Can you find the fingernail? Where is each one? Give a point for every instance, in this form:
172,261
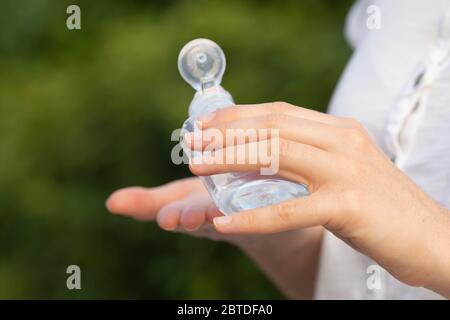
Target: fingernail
170,229
203,120
192,229
222,221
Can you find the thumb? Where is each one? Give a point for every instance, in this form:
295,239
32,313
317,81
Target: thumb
302,212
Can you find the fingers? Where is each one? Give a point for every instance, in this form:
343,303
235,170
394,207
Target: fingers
168,218
189,213
194,214
180,204
303,212
247,130
143,204
257,110
286,158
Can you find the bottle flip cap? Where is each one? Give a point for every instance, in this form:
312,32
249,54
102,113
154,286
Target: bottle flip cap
201,63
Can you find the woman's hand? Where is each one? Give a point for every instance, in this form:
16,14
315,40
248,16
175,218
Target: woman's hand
356,191
289,258
185,206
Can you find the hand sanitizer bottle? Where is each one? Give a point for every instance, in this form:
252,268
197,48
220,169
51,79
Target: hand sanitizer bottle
202,64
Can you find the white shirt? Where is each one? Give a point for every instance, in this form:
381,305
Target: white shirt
410,122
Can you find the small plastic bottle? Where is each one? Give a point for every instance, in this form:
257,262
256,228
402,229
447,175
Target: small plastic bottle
201,63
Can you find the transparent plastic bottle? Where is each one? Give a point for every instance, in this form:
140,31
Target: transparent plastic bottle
202,64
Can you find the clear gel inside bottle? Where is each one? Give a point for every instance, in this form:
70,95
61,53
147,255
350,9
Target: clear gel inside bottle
202,64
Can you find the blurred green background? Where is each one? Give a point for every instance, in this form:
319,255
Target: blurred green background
85,112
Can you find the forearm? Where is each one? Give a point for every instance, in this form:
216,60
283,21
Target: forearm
289,259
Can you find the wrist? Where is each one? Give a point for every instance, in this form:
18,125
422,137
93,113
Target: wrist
437,275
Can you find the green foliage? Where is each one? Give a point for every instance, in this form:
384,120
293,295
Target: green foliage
85,112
